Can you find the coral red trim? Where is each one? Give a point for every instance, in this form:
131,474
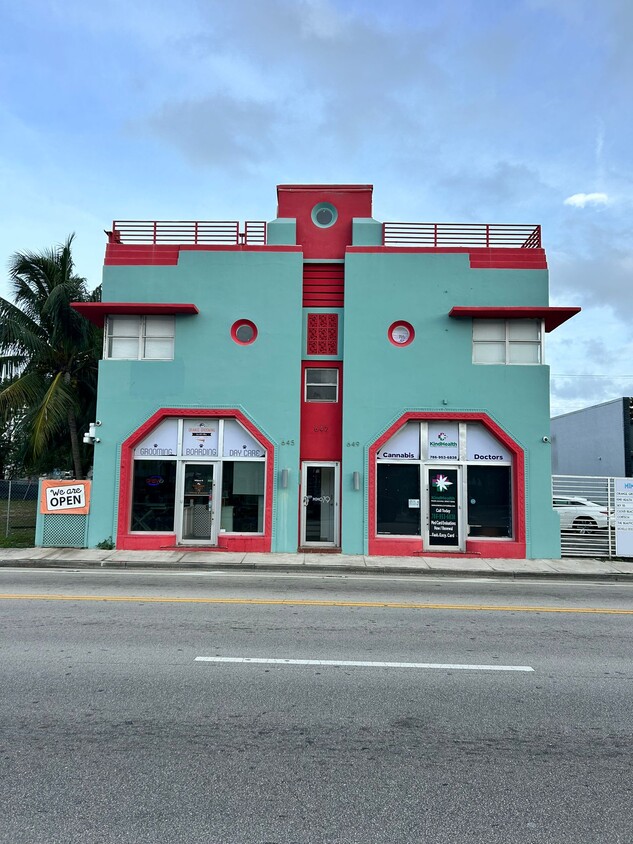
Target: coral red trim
321,188
501,258
154,541
409,546
144,254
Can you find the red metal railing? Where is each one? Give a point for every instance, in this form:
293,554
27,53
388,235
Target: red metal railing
456,235
188,232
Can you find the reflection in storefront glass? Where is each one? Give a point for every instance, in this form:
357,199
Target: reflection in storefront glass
398,499
242,497
153,495
489,501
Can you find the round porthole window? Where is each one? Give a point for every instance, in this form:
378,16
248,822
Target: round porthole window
401,333
244,332
324,215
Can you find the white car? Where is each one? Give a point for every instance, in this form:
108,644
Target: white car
580,514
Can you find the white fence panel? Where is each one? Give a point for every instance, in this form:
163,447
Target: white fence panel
585,505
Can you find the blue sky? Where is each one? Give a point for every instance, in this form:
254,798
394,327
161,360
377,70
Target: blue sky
509,111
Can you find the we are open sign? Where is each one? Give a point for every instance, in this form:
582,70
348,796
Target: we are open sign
65,497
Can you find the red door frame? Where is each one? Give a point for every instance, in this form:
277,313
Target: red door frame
317,445
413,546
155,541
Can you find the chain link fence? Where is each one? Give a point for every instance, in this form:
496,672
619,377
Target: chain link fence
18,511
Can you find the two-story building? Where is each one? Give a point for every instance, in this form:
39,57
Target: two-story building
325,381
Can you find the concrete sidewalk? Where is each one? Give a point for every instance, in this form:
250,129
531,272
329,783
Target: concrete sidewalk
585,568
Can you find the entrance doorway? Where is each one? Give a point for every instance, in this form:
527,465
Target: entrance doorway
443,506
198,523
320,507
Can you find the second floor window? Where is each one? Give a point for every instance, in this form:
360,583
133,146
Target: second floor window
507,341
139,338
321,384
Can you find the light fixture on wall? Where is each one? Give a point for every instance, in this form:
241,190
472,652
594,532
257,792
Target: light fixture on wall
283,478
90,437
356,481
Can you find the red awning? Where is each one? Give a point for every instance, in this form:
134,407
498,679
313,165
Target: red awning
97,311
553,317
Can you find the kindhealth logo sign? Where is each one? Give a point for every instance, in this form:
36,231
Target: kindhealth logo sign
443,441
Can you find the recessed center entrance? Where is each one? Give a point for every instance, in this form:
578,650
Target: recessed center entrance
320,509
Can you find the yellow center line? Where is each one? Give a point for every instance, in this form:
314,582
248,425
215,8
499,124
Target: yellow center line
296,602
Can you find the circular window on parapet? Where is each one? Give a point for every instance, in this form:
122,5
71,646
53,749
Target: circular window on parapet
400,333
324,215
244,332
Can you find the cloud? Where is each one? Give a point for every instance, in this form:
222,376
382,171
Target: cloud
579,200
288,84
216,130
501,187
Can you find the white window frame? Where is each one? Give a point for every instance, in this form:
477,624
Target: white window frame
143,322
509,342
321,384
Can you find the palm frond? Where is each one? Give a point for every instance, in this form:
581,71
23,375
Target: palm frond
26,391
52,414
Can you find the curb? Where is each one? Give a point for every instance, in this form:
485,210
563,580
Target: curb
325,570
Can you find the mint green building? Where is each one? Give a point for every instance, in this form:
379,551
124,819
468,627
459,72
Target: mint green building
324,381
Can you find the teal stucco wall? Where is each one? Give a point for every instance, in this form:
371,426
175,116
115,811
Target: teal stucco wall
209,369
435,372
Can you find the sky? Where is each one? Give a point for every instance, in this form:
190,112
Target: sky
498,111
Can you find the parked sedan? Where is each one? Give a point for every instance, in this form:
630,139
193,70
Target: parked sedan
581,515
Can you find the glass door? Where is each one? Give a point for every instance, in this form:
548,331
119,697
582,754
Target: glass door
319,511
198,524
444,523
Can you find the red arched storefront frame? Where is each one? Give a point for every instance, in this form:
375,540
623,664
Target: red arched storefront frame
156,541
413,546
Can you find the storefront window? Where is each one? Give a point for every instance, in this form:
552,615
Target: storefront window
217,470
489,501
153,495
242,497
398,499
472,463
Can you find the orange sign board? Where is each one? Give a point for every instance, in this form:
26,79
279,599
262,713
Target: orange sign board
65,497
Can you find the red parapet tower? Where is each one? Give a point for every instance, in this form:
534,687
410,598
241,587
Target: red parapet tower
324,215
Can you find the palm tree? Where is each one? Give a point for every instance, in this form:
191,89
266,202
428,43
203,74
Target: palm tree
48,353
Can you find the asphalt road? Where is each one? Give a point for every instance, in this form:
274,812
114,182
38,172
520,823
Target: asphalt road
113,730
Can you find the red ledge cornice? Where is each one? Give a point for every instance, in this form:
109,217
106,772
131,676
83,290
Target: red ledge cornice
480,258
167,255
97,311
346,188
553,317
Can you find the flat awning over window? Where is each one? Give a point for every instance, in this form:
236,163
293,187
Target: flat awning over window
97,311
553,317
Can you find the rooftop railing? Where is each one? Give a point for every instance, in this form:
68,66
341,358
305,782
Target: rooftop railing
456,235
188,232
253,233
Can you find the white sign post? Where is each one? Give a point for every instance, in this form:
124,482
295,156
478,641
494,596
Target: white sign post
624,517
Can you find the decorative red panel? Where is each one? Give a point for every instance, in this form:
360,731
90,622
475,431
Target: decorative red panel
321,422
323,285
322,334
